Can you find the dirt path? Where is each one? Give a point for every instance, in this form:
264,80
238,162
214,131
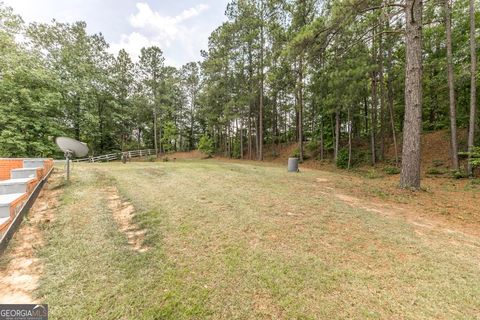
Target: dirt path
19,278
413,214
123,212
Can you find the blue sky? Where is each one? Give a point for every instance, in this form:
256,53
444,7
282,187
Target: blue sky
180,28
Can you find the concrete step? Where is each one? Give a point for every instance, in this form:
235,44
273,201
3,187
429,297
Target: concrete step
15,185
24,173
3,223
33,163
10,204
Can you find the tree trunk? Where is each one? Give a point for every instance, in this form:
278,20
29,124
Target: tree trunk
249,136
139,137
365,106
321,138
275,119
241,138
155,131
260,107
228,141
192,122
296,117
300,108
250,115
77,119
160,133
382,97
411,152
451,88
257,141
349,139
473,85
373,126
285,131
337,134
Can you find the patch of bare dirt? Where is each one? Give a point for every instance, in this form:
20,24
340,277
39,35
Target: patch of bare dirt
412,213
20,277
265,305
194,154
123,213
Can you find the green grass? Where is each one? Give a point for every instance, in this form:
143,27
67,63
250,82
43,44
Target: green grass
236,241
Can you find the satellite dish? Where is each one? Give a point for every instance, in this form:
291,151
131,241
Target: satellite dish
72,146
72,149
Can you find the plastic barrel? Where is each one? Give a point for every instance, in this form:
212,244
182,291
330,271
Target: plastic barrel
292,164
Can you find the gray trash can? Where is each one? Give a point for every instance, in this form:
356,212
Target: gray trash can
293,165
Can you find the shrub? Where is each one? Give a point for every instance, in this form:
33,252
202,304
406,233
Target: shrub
475,182
459,175
360,157
474,157
236,153
373,174
151,158
438,163
205,146
435,171
168,138
295,153
391,170
342,159
313,148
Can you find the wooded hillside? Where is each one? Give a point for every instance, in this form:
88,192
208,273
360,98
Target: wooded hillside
324,74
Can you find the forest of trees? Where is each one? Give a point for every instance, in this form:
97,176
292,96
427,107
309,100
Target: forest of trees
332,75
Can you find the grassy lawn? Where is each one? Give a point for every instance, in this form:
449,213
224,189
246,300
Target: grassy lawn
239,241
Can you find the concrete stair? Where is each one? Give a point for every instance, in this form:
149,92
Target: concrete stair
4,221
33,163
15,192
25,173
10,206
16,185
7,202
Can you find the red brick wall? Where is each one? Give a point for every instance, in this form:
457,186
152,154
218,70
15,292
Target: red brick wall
5,225
16,205
31,185
47,165
8,164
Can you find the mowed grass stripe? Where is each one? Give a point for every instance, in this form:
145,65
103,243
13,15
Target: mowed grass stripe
91,272
246,242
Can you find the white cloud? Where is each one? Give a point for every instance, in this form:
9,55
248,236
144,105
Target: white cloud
192,12
132,43
153,28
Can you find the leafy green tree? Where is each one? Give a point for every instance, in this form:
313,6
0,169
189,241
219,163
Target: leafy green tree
29,97
123,81
205,145
151,66
169,134
190,74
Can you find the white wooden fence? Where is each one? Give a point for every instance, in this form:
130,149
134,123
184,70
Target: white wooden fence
118,156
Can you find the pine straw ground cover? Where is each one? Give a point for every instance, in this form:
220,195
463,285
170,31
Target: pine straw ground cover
240,241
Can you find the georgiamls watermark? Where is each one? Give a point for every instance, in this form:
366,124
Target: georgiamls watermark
23,311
